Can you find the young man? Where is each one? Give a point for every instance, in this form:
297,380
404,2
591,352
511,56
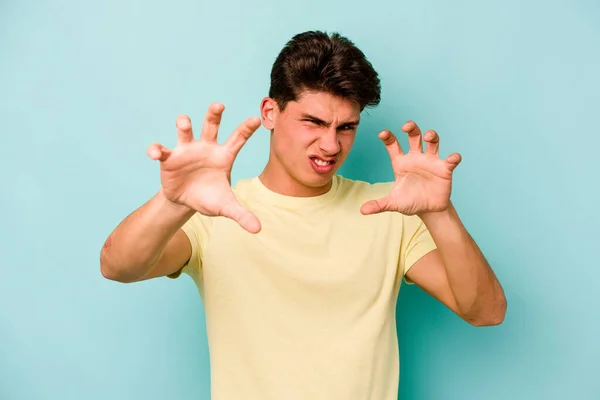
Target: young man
299,268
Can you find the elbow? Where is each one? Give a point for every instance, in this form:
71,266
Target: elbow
110,271
488,321
494,317
107,271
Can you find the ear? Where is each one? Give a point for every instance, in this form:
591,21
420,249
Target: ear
268,111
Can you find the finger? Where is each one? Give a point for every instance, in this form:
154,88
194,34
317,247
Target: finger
157,151
453,160
212,120
414,136
184,129
243,217
432,142
374,206
241,135
391,144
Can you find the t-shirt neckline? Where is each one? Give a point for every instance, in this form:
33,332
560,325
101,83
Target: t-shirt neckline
275,198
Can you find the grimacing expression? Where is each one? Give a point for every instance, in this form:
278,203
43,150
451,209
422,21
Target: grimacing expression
311,137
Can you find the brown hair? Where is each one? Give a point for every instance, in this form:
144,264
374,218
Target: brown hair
317,61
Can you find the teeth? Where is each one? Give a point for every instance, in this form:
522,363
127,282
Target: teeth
321,162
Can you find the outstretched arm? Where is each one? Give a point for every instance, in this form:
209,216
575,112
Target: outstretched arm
195,177
148,243
456,273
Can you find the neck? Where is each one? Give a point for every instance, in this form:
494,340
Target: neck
275,178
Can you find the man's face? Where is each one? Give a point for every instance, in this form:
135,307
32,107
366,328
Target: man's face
311,138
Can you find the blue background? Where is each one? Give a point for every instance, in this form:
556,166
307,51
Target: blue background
86,86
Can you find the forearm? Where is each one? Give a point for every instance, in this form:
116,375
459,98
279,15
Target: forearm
478,294
138,242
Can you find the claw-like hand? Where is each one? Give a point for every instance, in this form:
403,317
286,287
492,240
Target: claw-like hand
197,173
423,181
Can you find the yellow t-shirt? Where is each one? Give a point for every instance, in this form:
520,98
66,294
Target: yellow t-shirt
305,309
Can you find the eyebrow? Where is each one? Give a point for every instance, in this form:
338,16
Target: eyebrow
319,121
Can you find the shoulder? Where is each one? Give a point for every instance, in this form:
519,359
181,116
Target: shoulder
247,192
244,187
362,189
198,225
358,192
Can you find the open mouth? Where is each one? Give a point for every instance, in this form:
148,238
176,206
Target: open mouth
322,166
320,162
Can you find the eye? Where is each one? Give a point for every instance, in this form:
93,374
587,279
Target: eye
312,121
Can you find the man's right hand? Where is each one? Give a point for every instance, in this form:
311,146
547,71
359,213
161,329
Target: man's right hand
197,173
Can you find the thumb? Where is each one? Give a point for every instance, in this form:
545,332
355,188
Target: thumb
243,217
374,206
157,151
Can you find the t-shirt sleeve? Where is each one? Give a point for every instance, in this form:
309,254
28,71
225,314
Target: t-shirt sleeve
197,230
416,242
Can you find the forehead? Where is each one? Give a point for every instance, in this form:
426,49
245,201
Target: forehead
324,106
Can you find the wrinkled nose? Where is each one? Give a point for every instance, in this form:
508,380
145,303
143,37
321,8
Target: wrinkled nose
329,143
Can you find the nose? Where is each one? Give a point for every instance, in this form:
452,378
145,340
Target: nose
329,143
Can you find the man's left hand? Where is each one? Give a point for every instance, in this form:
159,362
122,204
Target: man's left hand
423,181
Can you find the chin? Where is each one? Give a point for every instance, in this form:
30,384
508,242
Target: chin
317,181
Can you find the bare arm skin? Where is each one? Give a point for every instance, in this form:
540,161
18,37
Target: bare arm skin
195,177
457,273
148,243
